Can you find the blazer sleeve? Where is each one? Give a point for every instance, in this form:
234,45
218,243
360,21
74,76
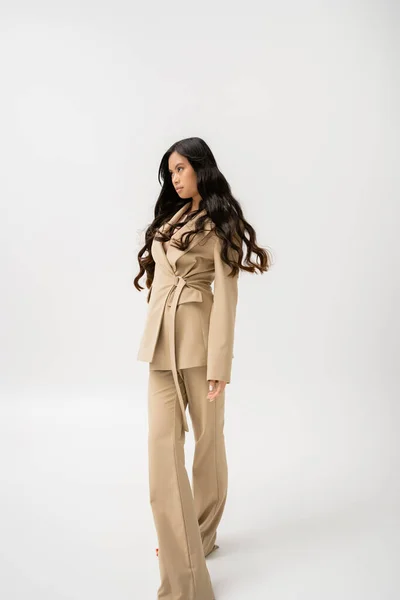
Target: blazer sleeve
222,320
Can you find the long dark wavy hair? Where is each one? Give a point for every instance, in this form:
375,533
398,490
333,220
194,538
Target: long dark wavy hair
223,209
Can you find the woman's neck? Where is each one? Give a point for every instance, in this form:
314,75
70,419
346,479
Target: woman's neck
195,205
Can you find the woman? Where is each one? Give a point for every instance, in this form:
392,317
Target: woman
196,238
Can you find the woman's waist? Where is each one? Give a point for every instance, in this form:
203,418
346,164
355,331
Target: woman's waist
192,291
163,283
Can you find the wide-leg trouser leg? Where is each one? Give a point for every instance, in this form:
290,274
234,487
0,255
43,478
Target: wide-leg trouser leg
183,569
210,469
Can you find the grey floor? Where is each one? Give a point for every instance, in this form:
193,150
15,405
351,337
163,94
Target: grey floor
312,511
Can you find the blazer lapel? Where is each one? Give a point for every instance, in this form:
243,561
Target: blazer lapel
173,254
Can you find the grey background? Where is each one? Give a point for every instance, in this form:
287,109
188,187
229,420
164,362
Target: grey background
299,103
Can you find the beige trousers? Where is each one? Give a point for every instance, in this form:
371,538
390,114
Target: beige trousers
186,521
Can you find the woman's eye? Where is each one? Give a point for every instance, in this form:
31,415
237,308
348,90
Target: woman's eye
177,170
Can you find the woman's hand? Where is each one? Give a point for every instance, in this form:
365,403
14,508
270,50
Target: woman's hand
215,388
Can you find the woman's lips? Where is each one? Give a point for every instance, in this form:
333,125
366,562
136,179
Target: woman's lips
178,189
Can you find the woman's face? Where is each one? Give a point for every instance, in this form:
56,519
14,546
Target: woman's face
183,176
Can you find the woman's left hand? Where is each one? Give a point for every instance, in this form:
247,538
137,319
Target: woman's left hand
215,388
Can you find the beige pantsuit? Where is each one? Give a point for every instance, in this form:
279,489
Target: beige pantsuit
187,340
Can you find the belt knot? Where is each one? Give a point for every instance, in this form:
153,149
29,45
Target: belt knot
178,278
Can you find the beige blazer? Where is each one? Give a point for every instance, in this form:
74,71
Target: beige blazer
187,323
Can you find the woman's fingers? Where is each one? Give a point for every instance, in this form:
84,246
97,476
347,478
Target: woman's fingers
212,386
215,389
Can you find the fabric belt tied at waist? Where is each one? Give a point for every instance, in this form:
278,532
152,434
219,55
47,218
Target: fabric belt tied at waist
178,285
